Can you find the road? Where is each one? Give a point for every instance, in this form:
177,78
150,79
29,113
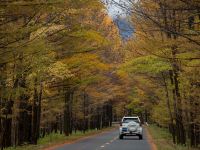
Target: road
108,141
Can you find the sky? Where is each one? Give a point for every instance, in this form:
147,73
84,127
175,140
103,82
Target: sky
114,10
120,16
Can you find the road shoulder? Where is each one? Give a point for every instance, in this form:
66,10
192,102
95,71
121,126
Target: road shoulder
150,139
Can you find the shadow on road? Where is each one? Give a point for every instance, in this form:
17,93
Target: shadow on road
130,138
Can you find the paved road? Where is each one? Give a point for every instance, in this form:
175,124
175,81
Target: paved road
108,141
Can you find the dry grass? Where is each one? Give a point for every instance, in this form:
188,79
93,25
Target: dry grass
163,139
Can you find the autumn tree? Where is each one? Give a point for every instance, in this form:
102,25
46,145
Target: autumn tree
54,61
165,47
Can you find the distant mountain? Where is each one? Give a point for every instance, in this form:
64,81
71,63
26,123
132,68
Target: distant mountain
125,28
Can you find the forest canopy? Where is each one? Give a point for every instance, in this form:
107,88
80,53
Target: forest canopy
64,67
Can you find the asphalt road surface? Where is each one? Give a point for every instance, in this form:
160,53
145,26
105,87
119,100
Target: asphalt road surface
108,141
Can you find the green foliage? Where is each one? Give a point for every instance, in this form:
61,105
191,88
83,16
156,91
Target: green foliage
59,70
147,64
157,111
135,106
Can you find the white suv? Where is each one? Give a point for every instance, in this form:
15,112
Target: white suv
130,126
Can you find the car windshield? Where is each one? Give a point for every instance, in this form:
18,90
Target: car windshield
127,120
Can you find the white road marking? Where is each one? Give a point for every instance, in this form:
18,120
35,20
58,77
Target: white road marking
115,138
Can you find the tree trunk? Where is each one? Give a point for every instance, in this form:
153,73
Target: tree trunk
181,139
169,109
68,113
39,111
34,115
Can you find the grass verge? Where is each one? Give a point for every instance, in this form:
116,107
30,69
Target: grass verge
163,139
58,139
